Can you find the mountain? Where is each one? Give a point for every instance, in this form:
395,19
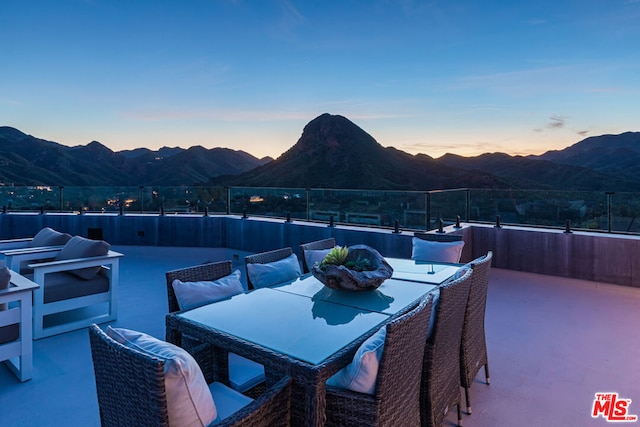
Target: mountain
333,152
617,155
536,173
26,160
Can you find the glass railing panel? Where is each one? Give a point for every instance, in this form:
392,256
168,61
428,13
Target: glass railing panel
185,199
409,210
368,207
625,212
99,199
30,198
584,210
447,205
272,202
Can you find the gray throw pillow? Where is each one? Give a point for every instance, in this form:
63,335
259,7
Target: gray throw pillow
80,247
49,237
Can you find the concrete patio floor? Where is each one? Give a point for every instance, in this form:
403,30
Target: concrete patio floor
553,343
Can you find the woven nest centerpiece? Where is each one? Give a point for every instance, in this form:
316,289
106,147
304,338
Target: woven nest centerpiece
354,268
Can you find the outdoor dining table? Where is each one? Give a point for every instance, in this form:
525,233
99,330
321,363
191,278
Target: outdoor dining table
298,328
422,271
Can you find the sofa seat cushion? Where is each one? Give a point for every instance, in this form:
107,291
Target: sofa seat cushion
9,333
62,285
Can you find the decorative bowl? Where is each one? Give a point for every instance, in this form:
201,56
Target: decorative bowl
342,277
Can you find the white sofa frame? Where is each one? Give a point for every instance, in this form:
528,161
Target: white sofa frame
14,258
18,354
110,266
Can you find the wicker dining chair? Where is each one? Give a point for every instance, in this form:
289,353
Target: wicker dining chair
440,387
240,370
328,243
396,399
264,258
473,349
131,390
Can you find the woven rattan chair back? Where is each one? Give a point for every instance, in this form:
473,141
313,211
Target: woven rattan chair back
440,388
264,258
328,243
205,272
131,391
473,348
396,400
438,237
203,353
129,384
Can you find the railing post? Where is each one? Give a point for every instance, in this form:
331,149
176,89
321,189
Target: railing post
468,205
61,187
308,204
428,210
228,199
567,227
141,199
609,195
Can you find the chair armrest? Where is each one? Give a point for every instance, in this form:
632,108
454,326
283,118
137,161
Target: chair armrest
15,257
29,250
15,243
72,264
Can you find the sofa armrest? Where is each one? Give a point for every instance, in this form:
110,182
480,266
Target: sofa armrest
15,257
8,244
72,264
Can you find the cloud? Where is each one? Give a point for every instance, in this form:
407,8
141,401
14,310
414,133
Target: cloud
290,19
582,132
556,122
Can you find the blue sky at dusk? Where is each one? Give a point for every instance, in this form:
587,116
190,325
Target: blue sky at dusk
466,77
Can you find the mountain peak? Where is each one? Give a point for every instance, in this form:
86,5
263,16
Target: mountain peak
334,134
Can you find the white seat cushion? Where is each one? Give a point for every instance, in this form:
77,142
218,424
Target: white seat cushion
189,400
195,294
272,273
361,374
244,373
228,401
425,250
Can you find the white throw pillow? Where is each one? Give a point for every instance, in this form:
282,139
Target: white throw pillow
272,273
195,294
425,250
311,256
361,374
189,400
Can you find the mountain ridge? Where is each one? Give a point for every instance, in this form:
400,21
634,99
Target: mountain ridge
332,152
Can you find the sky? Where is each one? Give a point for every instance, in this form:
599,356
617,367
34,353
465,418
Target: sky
432,77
